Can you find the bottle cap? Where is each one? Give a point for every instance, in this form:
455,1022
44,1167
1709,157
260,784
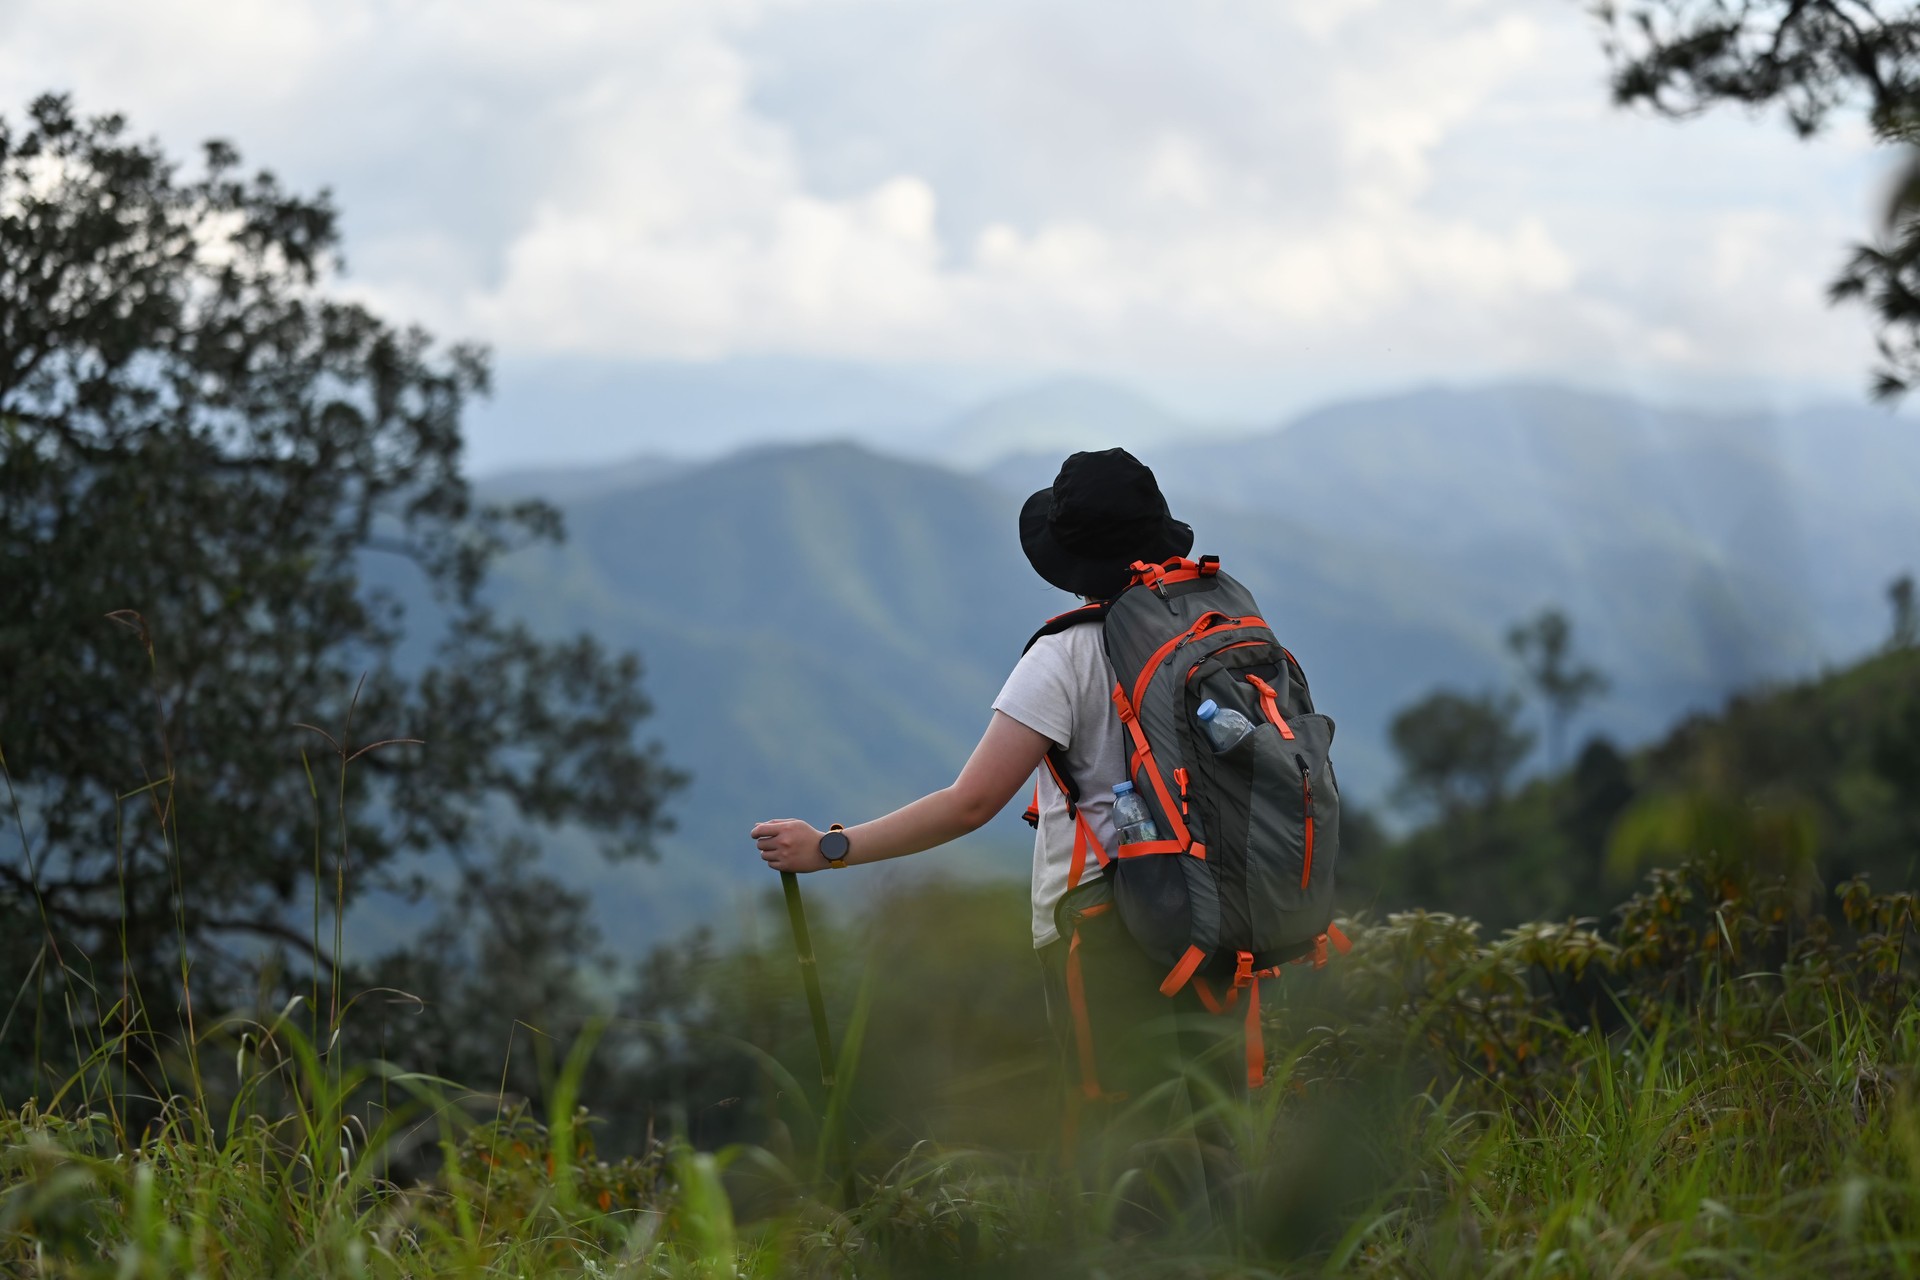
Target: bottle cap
1206,709
1122,788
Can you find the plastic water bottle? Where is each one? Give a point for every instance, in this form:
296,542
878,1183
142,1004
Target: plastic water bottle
1225,726
1130,816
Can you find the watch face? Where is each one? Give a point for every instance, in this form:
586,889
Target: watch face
834,845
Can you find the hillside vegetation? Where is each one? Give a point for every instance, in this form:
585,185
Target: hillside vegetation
1445,1107
825,626
1715,1078
1817,776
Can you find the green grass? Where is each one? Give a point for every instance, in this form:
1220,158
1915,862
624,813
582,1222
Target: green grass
1743,1104
1721,1083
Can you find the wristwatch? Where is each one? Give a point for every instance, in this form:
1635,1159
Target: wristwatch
834,846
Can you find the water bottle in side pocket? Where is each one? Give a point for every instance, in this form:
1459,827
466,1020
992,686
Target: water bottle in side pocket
1225,727
1130,816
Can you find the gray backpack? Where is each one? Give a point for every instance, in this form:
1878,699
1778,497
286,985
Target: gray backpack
1241,880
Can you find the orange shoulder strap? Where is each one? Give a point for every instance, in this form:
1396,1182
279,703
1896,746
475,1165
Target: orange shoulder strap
1083,836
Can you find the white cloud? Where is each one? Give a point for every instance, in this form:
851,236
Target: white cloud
1179,170
707,239
1399,186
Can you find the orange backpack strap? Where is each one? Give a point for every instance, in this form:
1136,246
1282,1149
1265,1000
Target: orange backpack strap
1083,839
1077,1004
1270,703
1056,760
1247,978
1178,569
1256,1040
1333,935
1144,755
1095,612
1083,836
1183,971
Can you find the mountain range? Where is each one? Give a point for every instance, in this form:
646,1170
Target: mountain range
824,626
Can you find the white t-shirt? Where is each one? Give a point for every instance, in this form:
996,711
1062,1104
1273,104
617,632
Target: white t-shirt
1063,688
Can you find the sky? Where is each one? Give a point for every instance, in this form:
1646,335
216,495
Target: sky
1238,207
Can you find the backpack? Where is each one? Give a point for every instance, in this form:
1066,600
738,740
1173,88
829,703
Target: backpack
1241,879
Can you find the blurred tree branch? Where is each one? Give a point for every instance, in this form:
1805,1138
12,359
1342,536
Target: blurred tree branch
200,442
1811,58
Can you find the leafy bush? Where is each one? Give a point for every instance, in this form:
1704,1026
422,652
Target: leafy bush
1718,1082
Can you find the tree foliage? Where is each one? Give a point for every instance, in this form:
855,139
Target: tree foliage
1905,633
1544,647
1812,779
220,486
1457,751
1812,58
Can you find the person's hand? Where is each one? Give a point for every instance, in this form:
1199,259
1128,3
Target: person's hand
788,844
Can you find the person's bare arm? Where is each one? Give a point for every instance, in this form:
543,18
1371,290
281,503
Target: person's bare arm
1006,757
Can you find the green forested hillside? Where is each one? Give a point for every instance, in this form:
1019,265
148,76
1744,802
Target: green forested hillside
825,629
1820,779
825,626
1717,1083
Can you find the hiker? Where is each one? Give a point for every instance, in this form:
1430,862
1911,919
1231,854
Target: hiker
1168,685
1103,513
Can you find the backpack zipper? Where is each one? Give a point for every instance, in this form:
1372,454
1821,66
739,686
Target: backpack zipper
1237,644
1306,799
1165,652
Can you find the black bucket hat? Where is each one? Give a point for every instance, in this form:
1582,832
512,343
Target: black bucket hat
1104,511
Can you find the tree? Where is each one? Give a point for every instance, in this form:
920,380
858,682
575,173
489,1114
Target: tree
225,499
496,986
1812,57
1906,616
1457,751
1544,647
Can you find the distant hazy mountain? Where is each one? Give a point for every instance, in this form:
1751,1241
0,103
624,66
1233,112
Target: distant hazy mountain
1697,551
825,627
1059,417
550,409
571,484
823,631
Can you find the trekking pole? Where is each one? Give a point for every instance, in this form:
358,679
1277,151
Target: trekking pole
809,975
810,978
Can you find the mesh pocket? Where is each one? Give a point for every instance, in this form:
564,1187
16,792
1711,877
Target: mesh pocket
1090,894
1153,898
